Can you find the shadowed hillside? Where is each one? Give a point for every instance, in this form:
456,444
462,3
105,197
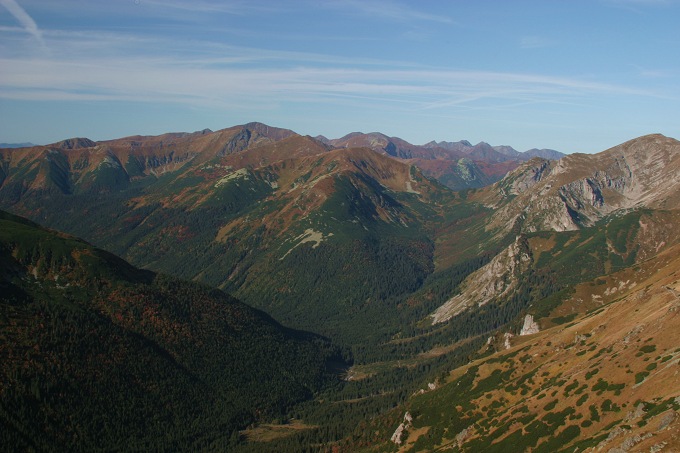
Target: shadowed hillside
99,355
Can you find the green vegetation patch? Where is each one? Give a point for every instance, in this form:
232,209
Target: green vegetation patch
603,386
609,406
494,381
557,442
592,373
594,414
555,419
563,319
646,349
641,376
550,406
570,387
582,399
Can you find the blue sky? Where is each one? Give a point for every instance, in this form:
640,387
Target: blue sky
576,76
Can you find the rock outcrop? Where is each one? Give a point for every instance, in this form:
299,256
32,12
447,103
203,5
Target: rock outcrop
403,426
530,326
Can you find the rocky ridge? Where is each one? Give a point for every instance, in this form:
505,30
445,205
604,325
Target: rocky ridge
581,189
493,281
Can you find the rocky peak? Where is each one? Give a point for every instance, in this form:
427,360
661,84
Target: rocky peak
524,177
507,151
323,139
451,146
544,153
75,143
254,134
530,174
580,189
273,133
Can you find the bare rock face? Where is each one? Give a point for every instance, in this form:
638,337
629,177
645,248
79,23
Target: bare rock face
396,437
492,281
506,340
462,436
666,420
580,189
530,326
529,175
406,424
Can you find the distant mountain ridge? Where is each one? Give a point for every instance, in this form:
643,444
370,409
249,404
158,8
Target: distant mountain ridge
459,165
481,148
17,145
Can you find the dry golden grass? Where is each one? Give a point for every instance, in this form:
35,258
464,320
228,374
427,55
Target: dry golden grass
270,432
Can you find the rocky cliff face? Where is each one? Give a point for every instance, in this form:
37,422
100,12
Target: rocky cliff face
493,281
581,189
530,326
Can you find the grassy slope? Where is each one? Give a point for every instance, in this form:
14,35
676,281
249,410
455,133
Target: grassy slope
606,378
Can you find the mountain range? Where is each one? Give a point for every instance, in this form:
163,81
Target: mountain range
458,165
476,311
16,145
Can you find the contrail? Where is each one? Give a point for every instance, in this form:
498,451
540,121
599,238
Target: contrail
24,19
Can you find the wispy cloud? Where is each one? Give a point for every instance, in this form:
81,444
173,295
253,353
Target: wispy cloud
651,73
110,65
198,82
91,45
236,7
387,10
24,19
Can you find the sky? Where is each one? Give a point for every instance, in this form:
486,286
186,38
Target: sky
570,75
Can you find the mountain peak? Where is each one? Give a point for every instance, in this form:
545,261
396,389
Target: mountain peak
323,139
462,144
645,143
350,135
275,133
580,189
507,151
74,143
544,153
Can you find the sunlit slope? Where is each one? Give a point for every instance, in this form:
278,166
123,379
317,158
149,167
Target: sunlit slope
606,379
